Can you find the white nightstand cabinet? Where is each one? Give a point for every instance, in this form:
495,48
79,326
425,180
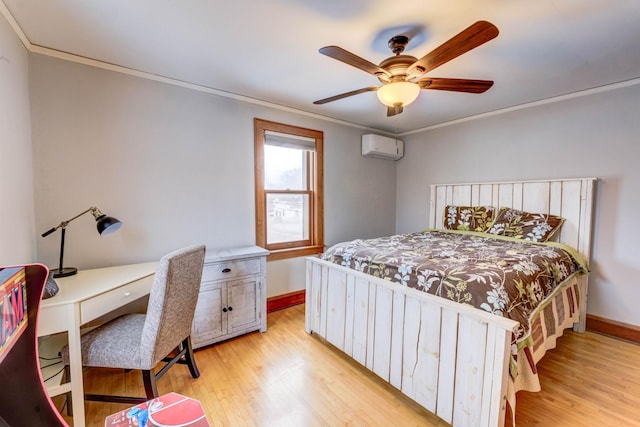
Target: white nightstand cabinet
233,295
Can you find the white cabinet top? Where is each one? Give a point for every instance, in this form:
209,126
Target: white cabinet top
240,252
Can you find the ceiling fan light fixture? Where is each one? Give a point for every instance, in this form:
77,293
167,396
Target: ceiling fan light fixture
403,93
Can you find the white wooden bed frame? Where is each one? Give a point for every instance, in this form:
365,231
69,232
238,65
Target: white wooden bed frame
450,358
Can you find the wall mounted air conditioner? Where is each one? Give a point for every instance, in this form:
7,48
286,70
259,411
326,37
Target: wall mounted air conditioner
382,147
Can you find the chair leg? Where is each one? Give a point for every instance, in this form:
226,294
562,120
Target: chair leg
149,378
188,356
150,387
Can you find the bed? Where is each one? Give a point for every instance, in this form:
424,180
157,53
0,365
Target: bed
462,363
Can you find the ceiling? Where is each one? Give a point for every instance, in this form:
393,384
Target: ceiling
268,50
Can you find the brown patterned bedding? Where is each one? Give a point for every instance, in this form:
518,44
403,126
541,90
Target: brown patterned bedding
505,276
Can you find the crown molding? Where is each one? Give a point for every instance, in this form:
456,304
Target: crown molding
33,48
14,25
167,80
551,100
175,82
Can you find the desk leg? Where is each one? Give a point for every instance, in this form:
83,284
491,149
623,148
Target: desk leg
75,366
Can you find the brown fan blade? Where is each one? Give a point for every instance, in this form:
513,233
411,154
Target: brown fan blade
470,38
347,94
354,60
396,109
455,85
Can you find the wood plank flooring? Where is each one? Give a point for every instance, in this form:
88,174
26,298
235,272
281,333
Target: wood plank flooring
285,377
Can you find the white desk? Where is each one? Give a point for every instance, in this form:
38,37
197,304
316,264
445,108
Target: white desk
81,299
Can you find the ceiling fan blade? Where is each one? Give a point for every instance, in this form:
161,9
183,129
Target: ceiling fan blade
475,35
354,60
455,85
346,94
396,109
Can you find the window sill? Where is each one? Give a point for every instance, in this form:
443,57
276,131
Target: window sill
294,252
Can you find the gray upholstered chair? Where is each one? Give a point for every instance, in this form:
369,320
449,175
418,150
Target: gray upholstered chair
142,341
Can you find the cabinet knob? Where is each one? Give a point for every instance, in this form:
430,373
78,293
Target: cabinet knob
224,310
226,270
230,308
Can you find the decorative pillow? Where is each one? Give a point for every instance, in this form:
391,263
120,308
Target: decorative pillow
525,225
469,218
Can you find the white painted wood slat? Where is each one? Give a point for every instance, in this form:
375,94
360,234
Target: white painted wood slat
555,198
336,300
461,195
486,195
505,196
411,344
571,206
324,306
371,323
447,366
382,341
427,349
397,340
360,320
469,378
349,314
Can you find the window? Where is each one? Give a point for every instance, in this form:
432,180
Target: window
289,198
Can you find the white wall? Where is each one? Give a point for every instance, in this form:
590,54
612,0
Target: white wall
591,136
17,234
176,166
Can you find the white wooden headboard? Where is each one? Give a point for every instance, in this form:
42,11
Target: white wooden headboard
571,199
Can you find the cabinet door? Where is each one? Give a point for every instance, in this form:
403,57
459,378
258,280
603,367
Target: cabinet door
209,321
244,311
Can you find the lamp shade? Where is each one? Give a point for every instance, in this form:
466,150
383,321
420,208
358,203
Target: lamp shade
403,93
107,224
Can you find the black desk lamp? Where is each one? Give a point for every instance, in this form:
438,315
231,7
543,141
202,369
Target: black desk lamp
106,225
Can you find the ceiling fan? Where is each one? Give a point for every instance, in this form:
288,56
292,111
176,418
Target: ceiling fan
399,73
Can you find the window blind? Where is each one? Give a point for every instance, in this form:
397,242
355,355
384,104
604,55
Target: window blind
286,140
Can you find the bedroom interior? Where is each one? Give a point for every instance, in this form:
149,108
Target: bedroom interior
152,120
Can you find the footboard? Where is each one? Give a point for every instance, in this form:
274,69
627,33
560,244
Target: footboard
451,359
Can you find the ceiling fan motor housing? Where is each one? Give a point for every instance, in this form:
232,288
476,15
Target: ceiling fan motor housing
397,67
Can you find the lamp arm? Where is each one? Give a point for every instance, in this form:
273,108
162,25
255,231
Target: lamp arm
63,224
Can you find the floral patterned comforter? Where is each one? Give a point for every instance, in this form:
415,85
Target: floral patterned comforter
505,276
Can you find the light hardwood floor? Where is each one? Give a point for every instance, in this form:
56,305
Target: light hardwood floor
285,377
